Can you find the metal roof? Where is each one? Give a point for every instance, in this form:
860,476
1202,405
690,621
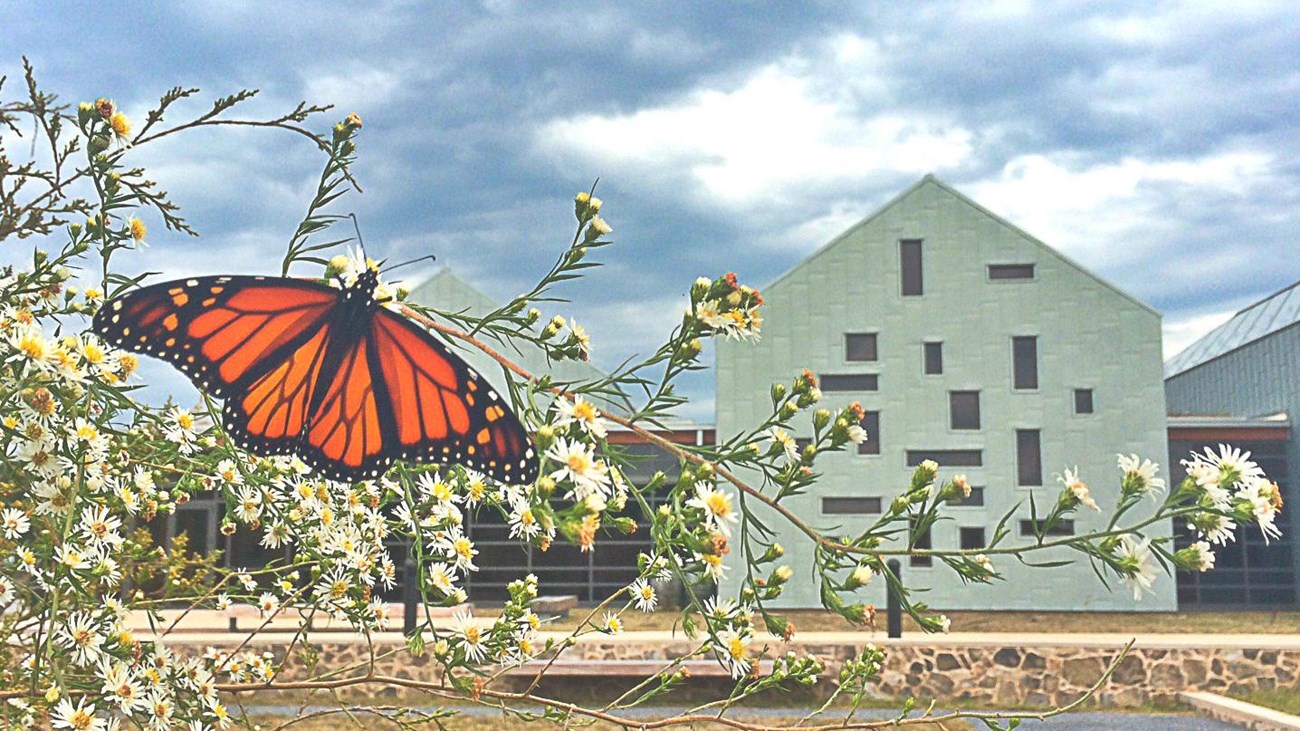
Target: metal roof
1253,323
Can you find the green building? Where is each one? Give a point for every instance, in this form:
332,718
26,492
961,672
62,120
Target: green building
974,344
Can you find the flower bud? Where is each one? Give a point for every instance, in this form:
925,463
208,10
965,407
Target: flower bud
821,417
97,144
778,392
782,574
105,107
545,435
596,228
789,409
533,315
701,288
773,552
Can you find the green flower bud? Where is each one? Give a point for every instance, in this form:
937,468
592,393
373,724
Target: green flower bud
778,392
97,144
821,417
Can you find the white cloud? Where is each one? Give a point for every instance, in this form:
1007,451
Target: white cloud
1114,210
1178,334
777,133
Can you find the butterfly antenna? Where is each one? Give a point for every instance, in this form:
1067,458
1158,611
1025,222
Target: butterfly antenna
429,257
357,227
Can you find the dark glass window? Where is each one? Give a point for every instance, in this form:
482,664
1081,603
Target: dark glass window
850,505
909,257
933,358
1060,528
802,443
1083,400
975,499
972,539
965,409
871,423
851,382
1011,271
946,457
1029,458
1024,357
922,541
860,346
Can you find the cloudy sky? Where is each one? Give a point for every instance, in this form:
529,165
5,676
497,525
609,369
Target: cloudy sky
1156,143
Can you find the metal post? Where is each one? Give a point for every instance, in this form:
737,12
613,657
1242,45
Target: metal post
410,594
893,607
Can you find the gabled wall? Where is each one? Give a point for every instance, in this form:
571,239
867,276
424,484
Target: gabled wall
1090,335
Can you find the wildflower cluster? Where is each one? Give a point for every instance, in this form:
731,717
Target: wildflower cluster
725,307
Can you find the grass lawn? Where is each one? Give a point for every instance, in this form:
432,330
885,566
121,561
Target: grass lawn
340,722
1121,622
1286,700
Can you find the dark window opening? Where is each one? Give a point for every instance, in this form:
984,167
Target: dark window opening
1029,458
850,505
802,443
946,457
851,382
1011,271
1024,357
975,499
860,346
933,359
871,423
909,256
1083,400
1060,528
972,539
921,541
965,409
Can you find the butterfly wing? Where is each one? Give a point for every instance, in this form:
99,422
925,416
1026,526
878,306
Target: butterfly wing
258,342
400,394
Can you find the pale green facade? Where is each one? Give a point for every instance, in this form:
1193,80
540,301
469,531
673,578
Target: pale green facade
1089,335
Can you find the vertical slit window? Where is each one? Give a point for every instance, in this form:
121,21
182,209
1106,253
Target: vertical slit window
965,409
1083,400
1024,358
933,359
909,257
1029,458
871,423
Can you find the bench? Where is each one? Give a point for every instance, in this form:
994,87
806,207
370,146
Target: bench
554,607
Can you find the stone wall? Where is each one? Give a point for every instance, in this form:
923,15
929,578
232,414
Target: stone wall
983,672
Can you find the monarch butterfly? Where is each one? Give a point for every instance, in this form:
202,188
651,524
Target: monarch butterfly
325,373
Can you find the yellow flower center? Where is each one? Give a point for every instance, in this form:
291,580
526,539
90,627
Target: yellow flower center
719,504
584,410
736,648
578,462
185,421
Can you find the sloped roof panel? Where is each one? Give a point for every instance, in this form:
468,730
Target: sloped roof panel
1261,319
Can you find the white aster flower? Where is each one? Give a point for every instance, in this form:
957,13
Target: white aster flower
1136,568
581,412
717,506
14,523
1140,476
643,595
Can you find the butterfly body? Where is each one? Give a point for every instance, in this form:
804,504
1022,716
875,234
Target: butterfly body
328,374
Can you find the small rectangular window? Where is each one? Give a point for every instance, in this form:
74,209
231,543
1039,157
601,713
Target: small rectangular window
1060,528
871,423
921,541
1024,358
1083,400
850,505
972,539
802,443
909,257
974,500
946,457
933,359
860,346
965,409
1029,458
1011,271
851,382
